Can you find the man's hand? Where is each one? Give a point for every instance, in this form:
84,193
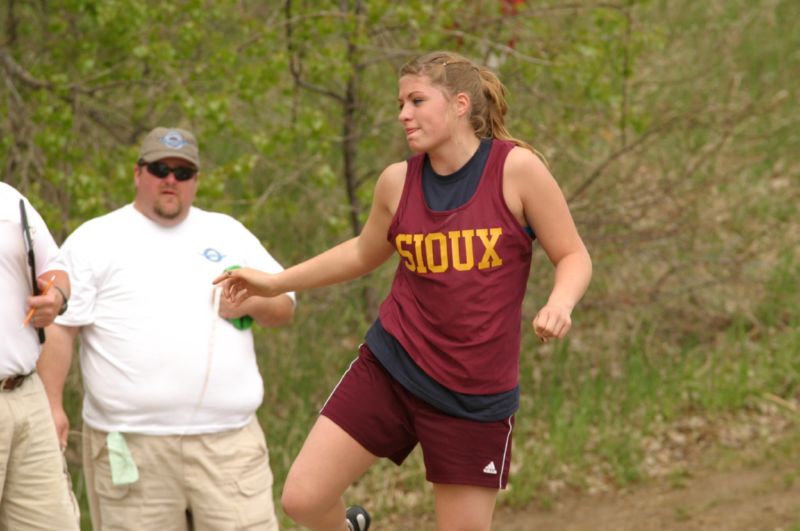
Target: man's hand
229,309
45,306
62,426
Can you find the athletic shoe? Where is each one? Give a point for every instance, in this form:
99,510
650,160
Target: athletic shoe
358,518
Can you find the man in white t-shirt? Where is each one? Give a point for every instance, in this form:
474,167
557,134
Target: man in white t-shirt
34,485
169,370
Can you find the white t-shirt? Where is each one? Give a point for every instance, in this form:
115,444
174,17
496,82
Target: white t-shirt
143,297
19,347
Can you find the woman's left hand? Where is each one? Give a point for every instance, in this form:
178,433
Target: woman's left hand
552,322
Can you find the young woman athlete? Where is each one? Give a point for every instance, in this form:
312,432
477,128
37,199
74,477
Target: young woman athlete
440,365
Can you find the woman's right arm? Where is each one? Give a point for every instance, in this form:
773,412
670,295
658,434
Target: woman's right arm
346,261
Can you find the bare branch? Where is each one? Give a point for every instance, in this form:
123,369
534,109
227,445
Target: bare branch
14,69
619,153
503,48
295,66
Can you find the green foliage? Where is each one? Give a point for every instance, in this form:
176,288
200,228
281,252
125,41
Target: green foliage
670,125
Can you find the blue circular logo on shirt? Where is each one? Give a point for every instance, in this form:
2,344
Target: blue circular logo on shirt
213,255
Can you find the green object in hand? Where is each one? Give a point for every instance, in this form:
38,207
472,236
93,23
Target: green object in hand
244,322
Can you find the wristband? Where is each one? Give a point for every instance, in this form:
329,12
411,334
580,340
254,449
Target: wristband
64,299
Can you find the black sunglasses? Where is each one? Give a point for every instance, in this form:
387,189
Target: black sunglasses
162,170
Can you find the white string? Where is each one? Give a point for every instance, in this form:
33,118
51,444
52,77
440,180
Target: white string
216,297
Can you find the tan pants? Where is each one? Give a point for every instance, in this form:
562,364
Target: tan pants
223,480
35,491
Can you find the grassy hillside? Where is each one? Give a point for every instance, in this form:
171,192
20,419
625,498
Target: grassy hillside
672,127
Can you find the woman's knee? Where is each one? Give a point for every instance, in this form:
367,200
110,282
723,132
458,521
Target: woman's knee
301,501
293,501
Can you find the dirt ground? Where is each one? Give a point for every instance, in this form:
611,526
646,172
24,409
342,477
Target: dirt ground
758,498
761,497
739,475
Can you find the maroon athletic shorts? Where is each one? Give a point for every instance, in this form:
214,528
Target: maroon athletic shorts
387,420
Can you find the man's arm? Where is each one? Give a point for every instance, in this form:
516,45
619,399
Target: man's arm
53,367
266,311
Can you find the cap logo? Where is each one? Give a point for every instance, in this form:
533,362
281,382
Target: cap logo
173,140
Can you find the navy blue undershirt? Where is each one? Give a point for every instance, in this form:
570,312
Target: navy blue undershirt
443,192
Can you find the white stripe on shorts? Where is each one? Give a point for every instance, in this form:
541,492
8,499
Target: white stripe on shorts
505,451
338,383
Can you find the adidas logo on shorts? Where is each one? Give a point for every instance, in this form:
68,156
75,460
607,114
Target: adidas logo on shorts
490,469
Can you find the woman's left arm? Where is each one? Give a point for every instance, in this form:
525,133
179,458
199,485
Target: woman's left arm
535,198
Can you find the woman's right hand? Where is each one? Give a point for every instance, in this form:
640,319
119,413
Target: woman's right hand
239,284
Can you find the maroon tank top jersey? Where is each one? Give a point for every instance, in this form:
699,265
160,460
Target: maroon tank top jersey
456,300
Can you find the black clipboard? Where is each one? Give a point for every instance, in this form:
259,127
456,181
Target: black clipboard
26,237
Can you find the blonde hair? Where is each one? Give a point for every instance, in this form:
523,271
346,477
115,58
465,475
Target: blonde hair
457,74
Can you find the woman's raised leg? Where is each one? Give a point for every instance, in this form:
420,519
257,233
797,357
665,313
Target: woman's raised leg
328,463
